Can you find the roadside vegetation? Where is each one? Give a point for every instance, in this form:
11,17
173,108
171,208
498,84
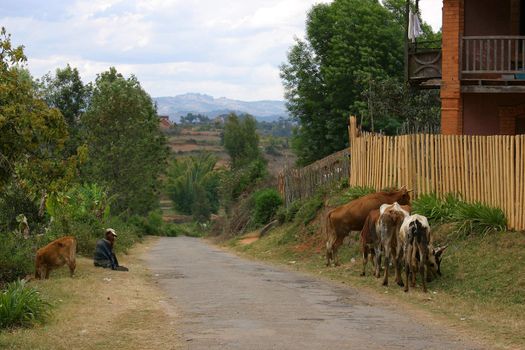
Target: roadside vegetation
75,159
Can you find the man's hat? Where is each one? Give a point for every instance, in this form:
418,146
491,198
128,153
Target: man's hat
112,231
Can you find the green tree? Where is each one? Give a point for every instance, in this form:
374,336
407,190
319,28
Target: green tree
193,185
127,151
347,41
65,91
32,134
241,140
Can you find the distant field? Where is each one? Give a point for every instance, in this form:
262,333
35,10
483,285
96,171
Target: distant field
191,142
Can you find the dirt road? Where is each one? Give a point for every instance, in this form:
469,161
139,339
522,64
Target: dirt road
226,302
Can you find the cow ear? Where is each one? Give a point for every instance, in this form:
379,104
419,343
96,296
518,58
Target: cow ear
440,250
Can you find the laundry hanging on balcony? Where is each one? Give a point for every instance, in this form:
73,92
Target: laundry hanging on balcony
414,26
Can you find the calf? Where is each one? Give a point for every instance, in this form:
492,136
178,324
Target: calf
54,255
369,238
390,219
415,245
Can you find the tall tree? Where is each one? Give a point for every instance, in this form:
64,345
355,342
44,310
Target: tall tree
32,134
241,140
127,151
32,138
347,41
65,91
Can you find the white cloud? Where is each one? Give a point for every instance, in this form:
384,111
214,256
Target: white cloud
224,48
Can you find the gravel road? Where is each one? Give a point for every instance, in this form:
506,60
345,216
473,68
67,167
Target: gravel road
226,302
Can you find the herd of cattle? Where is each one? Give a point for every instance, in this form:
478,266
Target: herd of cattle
387,230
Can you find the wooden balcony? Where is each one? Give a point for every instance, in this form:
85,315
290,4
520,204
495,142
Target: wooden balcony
493,64
424,65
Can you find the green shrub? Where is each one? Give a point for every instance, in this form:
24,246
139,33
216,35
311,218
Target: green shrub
280,215
478,219
468,218
21,305
292,210
16,256
437,210
266,204
308,211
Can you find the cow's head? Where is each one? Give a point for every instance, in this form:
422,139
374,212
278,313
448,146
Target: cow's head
434,259
404,196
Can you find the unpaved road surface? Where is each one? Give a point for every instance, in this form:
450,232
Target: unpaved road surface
226,302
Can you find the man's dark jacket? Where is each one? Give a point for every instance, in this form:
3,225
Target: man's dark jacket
104,255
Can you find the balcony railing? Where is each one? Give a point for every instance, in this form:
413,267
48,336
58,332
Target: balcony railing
424,63
493,57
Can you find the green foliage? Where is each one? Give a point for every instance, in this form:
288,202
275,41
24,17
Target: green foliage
16,256
469,218
478,219
193,185
241,140
308,210
14,200
351,62
292,210
235,182
392,106
21,305
65,91
33,135
127,151
266,204
437,210
347,42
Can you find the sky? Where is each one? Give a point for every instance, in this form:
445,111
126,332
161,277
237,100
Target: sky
224,48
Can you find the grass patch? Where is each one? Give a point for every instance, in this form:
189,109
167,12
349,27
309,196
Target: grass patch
100,309
468,218
21,306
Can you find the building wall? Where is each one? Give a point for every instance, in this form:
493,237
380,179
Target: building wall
451,100
481,113
488,17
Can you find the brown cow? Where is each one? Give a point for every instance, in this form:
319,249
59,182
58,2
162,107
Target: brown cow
369,238
351,217
54,255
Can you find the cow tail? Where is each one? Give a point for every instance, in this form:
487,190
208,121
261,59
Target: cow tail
73,251
329,232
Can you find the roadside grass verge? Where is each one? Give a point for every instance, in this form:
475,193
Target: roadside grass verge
481,292
21,306
101,309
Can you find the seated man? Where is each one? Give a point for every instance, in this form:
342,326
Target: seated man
104,256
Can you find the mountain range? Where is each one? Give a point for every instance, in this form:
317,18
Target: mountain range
180,105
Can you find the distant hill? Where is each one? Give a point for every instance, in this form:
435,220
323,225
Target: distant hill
181,105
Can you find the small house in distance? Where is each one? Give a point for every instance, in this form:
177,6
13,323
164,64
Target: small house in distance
480,67
164,122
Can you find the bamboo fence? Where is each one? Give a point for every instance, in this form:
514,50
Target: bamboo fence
301,183
487,169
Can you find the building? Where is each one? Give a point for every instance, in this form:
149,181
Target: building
164,122
480,67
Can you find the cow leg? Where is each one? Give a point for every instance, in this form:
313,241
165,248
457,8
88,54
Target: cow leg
377,273
328,257
399,280
407,275
387,263
365,260
424,272
72,265
46,272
